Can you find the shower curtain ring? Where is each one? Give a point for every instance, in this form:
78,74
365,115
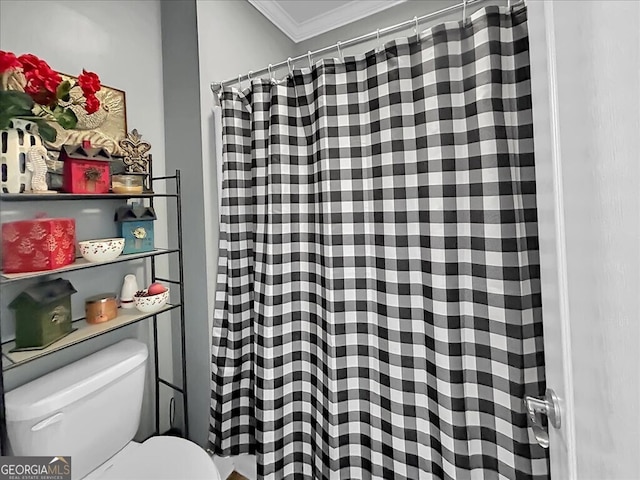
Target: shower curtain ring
249,75
415,19
340,51
508,3
464,12
239,80
289,65
309,57
378,46
270,72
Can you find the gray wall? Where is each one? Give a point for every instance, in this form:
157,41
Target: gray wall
184,151
203,41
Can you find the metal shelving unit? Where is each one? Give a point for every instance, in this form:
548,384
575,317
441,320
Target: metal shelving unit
81,264
32,197
85,331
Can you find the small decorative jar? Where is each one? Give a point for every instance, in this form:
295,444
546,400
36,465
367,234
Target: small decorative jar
15,142
101,308
129,289
125,183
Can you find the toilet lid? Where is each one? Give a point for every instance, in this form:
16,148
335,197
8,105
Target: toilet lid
164,458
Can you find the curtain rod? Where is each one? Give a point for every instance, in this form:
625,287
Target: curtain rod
217,86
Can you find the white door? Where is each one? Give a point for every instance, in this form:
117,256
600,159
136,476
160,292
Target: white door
585,70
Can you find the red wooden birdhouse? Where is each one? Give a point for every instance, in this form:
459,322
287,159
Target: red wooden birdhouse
86,169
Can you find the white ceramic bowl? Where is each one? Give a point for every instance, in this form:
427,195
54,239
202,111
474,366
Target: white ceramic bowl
102,249
152,303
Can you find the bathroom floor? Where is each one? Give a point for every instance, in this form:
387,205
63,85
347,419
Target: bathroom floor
236,476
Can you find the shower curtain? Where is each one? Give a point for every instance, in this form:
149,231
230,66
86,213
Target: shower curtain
378,310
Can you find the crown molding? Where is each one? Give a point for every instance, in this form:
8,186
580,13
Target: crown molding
338,17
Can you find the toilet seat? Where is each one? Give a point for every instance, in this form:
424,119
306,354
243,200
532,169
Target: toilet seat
161,458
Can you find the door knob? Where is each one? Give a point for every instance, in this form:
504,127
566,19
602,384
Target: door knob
537,408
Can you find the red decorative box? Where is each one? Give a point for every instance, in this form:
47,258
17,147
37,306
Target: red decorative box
86,169
40,244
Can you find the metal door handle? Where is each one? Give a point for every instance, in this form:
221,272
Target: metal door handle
539,407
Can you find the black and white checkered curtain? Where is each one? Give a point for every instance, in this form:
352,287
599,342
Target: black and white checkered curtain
378,309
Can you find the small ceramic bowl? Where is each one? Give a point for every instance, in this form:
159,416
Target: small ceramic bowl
152,303
102,249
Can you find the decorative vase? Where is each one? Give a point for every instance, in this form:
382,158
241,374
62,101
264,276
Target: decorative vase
129,289
15,142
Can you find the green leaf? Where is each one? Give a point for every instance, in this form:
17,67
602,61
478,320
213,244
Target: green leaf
15,99
62,92
46,131
14,104
4,122
66,118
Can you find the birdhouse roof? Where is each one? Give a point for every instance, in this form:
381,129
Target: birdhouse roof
45,293
134,213
78,152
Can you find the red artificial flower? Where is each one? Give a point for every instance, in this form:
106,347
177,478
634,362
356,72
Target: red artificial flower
89,83
30,62
92,104
42,83
8,61
51,78
39,95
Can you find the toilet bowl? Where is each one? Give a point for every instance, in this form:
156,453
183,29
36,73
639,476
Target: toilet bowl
159,458
90,410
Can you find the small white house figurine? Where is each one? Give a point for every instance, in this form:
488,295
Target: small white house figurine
37,164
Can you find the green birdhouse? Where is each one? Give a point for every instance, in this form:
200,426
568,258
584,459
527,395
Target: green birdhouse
43,314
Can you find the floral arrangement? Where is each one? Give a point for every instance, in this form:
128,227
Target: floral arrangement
46,97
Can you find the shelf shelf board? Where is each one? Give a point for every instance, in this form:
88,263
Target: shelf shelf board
85,331
81,264
31,197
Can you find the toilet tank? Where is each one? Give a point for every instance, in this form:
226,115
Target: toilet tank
89,409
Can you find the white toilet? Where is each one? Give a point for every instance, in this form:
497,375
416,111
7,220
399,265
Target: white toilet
90,410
